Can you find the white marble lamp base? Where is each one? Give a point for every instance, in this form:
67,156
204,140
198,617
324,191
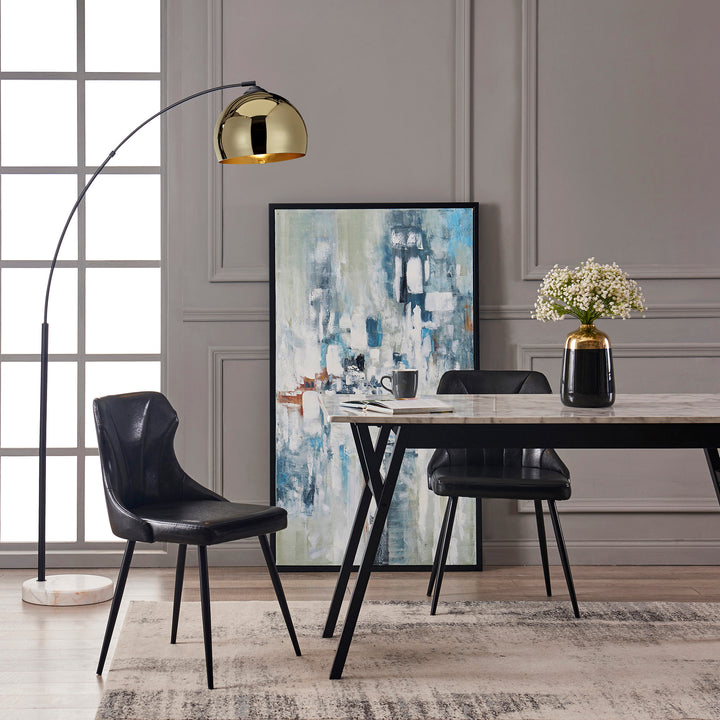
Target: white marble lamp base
67,590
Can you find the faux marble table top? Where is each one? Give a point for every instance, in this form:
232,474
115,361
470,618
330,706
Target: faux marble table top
518,409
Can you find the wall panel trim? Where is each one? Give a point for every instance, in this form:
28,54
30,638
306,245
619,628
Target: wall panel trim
217,357
527,353
528,143
463,100
655,312
217,272
462,130
210,315
605,552
530,265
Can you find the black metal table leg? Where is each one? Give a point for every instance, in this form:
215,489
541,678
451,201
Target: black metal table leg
713,460
375,455
347,563
478,534
383,505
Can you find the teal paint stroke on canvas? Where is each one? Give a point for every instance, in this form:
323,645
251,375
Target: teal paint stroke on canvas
359,291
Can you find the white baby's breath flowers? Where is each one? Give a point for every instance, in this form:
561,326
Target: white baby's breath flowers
588,292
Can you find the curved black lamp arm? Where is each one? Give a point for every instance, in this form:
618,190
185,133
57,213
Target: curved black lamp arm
45,327
247,83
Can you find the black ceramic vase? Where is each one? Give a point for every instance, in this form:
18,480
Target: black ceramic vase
588,379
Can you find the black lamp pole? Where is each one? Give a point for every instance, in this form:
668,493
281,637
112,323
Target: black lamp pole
45,327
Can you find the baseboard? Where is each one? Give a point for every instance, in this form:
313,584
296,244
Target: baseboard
607,552
243,553
495,552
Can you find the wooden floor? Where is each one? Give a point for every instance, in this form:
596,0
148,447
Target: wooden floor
48,655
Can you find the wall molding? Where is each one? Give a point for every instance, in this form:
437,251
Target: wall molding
528,144
530,265
215,176
463,101
656,312
527,353
218,356
485,312
217,272
605,552
505,312
462,130
211,315
221,274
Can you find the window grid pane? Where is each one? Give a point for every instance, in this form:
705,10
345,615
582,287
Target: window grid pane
41,137
112,109
51,46
31,235
122,310
113,231
22,297
17,494
108,52
102,232
20,399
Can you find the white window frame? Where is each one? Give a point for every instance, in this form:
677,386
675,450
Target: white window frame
82,553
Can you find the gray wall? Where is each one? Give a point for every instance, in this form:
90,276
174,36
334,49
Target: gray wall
582,128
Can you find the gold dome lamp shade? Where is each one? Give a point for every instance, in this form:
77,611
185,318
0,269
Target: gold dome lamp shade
259,127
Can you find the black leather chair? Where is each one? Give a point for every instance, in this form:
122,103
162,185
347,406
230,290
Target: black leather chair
151,499
510,473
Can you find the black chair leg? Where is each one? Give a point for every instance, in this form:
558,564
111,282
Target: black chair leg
478,534
279,594
563,556
179,574
543,545
438,549
117,598
205,607
452,505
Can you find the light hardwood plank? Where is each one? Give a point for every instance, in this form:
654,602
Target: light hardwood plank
48,655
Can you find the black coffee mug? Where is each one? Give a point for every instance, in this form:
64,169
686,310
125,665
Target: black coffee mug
404,383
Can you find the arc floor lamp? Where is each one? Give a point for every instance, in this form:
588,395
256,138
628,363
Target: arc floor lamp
258,127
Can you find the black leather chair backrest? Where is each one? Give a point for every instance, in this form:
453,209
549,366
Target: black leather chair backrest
495,382
136,433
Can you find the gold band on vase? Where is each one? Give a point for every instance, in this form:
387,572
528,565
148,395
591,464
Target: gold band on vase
587,337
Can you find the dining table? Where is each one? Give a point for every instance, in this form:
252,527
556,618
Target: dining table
666,420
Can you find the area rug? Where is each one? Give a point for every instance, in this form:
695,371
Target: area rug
472,661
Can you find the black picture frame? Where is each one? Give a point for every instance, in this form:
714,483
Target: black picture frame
310,240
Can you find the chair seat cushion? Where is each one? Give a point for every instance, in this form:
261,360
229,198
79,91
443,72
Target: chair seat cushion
208,522
499,481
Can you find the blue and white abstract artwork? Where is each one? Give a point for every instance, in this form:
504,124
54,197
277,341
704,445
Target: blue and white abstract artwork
359,290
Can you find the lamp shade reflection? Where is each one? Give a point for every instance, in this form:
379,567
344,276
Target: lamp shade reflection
259,127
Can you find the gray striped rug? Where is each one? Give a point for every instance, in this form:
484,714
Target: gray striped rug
474,660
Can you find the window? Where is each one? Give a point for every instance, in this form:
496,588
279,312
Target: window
76,76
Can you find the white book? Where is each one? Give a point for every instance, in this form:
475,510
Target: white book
397,407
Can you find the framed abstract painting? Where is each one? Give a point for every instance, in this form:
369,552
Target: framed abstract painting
356,291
